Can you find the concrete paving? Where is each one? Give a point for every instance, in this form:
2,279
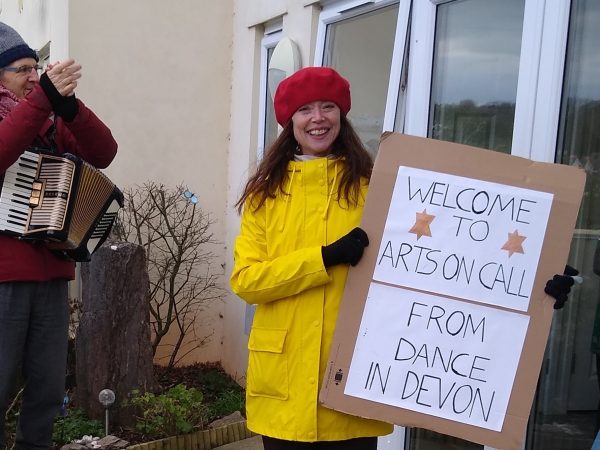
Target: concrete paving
253,443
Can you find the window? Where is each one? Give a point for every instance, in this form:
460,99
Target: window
270,123
267,131
44,55
359,44
475,72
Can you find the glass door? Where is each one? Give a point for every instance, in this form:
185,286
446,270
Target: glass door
523,77
463,73
566,412
516,76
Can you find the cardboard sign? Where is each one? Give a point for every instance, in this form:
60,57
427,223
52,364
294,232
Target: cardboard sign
445,317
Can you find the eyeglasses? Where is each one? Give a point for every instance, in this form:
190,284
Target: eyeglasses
23,70
191,197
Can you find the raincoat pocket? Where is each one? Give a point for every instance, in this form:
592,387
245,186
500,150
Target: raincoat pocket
267,363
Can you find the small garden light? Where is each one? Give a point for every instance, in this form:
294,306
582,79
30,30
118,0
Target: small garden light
106,398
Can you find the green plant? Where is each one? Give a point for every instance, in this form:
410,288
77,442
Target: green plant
175,412
228,402
74,426
221,392
214,381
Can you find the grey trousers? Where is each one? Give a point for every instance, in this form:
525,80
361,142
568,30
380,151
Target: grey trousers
34,323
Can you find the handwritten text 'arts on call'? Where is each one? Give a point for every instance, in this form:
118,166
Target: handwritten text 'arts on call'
463,237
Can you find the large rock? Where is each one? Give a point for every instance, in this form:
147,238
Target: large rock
113,346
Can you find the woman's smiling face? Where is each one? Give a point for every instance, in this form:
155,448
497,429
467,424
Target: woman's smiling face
316,127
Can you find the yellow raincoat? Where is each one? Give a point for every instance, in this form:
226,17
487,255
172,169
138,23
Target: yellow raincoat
279,267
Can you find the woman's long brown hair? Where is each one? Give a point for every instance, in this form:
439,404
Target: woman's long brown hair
272,170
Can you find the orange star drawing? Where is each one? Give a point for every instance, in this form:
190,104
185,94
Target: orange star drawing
421,226
514,243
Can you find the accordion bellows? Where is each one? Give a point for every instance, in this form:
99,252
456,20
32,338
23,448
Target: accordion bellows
60,200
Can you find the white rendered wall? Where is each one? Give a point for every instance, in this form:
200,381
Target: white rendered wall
158,73
39,22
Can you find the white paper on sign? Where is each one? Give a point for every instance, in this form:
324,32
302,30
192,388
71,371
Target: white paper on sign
463,237
436,356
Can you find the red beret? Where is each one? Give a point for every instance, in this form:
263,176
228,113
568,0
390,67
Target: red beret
309,85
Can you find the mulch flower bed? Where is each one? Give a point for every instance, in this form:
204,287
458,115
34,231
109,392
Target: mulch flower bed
208,378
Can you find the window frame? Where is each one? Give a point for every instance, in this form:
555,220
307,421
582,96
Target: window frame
273,34
339,11
395,96
553,54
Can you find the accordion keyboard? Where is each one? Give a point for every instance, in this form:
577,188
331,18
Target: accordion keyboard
103,226
16,193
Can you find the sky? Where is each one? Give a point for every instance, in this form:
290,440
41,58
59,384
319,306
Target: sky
484,56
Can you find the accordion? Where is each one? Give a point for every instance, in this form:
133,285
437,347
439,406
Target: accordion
60,200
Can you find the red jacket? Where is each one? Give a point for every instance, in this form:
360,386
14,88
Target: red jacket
85,136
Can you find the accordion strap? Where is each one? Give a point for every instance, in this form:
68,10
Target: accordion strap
47,140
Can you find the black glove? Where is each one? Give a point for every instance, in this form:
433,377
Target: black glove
346,250
560,286
65,107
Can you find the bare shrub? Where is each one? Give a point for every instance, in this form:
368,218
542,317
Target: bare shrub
176,236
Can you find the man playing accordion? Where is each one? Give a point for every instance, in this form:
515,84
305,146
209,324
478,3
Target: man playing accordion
38,111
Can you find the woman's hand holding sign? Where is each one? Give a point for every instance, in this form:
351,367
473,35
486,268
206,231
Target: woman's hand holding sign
347,249
560,286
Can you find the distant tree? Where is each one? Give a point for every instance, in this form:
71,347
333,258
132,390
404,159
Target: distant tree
175,234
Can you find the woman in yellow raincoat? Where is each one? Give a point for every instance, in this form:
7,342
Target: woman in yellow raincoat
299,233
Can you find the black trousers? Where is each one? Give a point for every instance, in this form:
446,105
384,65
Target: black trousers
34,332
365,443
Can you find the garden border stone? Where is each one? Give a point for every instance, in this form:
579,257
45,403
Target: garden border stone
201,439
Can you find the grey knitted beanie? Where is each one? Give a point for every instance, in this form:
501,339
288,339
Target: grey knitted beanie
13,47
